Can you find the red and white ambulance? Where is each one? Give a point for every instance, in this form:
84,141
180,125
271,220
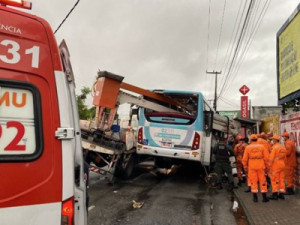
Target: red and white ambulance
41,162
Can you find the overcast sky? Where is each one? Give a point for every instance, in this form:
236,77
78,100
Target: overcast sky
170,44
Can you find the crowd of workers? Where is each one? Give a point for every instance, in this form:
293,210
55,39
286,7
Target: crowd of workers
263,162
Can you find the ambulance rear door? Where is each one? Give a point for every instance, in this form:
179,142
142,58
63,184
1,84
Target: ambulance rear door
40,181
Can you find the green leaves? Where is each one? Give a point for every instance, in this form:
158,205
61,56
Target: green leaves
85,113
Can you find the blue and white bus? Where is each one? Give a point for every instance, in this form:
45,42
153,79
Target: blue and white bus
187,134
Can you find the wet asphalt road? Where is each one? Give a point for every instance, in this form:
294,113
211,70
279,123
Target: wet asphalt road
181,198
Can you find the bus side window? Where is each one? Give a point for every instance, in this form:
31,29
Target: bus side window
208,119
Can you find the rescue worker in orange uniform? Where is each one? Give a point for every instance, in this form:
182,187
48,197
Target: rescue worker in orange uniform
239,149
263,140
255,161
277,162
290,164
269,137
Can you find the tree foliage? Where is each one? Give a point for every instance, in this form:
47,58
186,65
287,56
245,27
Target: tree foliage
85,113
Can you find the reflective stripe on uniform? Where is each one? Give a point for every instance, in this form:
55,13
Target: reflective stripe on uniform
278,158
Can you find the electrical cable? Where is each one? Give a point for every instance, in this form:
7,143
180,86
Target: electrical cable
238,45
207,46
234,62
220,34
66,16
249,41
227,101
255,28
232,41
208,28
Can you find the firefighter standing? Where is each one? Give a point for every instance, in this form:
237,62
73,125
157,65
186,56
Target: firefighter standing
290,164
239,149
277,162
263,140
269,137
255,162
222,153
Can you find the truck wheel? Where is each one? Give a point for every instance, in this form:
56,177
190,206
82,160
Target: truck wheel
125,171
128,171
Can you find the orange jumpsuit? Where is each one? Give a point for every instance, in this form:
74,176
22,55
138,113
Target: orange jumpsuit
239,149
264,143
255,160
267,147
290,163
277,164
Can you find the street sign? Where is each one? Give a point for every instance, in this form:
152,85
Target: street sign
244,107
244,89
230,114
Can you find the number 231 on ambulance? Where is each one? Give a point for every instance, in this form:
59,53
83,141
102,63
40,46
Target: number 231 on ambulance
41,162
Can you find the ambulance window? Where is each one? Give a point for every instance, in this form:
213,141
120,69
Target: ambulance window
20,122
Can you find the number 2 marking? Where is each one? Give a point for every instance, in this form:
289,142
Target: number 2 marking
14,144
13,56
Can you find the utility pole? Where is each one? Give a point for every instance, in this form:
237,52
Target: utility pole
216,84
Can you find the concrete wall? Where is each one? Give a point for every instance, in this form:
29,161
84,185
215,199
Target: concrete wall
259,112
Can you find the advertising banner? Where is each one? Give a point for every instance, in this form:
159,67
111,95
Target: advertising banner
291,123
270,123
244,107
288,57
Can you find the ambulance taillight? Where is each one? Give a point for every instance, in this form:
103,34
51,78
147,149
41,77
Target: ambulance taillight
17,3
67,212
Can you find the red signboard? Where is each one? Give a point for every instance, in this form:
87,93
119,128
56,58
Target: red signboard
244,107
244,89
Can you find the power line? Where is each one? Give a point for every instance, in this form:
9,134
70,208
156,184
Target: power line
208,28
251,38
238,47
255,26
228,102
210,84
62,22
220,34
248,36
241,37
233,40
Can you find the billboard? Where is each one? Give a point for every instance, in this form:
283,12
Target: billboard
288,58
291,123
